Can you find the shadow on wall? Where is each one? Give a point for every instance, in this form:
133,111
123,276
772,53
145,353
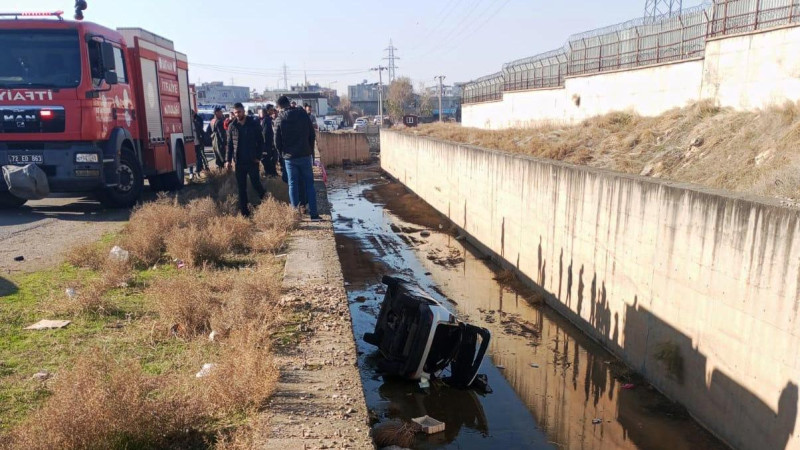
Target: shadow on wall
670,361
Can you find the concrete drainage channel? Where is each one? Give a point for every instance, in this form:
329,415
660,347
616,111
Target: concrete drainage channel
553,387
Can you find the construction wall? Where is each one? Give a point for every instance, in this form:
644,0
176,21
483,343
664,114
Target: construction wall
335,148
747,71
697,290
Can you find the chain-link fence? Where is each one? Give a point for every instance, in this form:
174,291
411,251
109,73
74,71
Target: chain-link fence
640,42
484,89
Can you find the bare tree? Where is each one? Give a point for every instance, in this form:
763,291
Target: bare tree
425,105
401,96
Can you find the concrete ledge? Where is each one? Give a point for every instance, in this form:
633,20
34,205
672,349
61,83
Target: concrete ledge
319,402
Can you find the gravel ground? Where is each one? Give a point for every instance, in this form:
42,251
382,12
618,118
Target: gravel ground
319,402
42,230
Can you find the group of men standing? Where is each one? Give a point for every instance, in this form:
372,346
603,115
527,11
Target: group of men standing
284,137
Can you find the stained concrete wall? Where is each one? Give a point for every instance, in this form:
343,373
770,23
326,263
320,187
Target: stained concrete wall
753,70
334,148
698,290
748,71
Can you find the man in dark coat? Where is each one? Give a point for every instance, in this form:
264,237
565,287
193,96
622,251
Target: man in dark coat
199,148
294,139
270,156
245,145
219,137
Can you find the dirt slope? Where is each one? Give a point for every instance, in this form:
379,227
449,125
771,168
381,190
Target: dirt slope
750,152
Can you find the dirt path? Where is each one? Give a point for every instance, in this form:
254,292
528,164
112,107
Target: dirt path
319,402
41,231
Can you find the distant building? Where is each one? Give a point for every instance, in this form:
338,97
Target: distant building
451,99
364,96
316,96
217,93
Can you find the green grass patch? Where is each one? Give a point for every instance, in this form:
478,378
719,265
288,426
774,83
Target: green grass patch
127,330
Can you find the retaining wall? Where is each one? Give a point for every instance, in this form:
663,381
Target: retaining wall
747,71
334,148
698,290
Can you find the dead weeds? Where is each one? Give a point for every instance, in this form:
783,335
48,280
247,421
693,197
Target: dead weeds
752,152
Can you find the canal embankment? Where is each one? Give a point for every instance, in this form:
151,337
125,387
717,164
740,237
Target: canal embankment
552,385
696,289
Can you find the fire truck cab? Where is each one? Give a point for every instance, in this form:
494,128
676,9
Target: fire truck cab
98,110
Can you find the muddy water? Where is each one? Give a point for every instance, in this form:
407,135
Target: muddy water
553,387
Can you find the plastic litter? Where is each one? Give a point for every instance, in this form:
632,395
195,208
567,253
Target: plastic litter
628,386
212,336
429,425
71,293
28,182
424,383
19,258
535,366
48,324
181,264
205,370
597,421
118,254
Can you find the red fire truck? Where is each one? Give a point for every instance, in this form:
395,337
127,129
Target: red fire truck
98,110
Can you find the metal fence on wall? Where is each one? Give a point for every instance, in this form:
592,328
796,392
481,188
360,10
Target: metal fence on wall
636,43
484,89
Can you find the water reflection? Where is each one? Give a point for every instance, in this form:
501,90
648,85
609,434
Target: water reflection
543,368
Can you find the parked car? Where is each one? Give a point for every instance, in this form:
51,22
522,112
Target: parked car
419,338
360,124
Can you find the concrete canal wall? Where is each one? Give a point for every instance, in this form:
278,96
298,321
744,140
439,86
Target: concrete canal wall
698,290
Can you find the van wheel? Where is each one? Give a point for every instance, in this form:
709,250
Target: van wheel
131,182
174,181
10,201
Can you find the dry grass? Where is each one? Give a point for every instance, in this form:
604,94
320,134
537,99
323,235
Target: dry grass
110,401
752,152
90,255
104,402
394,432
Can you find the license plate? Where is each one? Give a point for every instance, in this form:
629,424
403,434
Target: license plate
28,158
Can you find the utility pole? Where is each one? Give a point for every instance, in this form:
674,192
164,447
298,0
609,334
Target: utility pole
440,78
285,78
391,58
380,70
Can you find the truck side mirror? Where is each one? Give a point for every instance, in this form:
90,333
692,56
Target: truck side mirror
111,77
107,53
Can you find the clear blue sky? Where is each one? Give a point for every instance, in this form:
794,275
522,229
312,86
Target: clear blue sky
338,41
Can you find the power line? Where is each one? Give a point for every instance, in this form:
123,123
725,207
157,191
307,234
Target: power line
474,30
435,43
444,13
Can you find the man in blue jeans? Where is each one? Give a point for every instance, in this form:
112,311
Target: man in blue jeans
294,139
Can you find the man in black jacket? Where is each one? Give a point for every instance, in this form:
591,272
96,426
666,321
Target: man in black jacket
199,148
270,156
245,145
294,139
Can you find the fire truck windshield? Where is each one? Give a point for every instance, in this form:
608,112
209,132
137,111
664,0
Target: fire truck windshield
39,58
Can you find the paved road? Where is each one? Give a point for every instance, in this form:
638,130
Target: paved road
42,230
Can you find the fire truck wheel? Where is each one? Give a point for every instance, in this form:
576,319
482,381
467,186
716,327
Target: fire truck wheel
9,201
131,182
174,181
